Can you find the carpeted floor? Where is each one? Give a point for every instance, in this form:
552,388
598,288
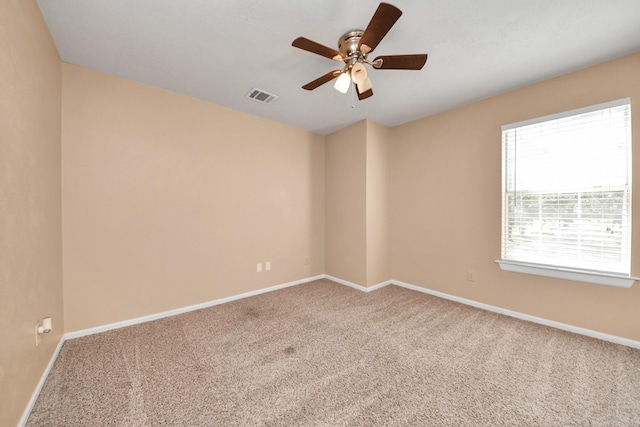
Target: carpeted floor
324,354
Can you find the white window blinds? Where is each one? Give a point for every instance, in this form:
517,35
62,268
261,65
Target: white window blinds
566,189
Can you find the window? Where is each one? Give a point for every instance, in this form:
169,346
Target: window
566,194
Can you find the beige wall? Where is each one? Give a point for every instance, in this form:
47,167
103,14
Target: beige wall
378,187
445,203
345,201
30,241
169,201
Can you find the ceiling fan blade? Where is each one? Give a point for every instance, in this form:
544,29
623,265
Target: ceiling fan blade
364,95
401,62
313,47
385,17
322,80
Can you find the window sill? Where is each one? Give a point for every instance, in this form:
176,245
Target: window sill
588,276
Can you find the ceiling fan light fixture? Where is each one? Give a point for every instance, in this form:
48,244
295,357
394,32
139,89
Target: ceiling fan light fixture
343,82
358,73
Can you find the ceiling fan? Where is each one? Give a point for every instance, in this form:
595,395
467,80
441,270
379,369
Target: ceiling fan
354,48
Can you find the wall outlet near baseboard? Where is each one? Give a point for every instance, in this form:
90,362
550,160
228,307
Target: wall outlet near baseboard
259,268
471,275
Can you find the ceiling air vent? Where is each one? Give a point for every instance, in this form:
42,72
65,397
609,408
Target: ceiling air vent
261,96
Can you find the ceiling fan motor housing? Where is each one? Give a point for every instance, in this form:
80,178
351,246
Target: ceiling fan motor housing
348,45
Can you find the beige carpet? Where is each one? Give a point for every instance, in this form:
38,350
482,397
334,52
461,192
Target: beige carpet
325,354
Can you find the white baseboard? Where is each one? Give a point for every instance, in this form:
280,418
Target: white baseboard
156,316
379,285
43,378
569,328
174,312
562,326
355,286
344,282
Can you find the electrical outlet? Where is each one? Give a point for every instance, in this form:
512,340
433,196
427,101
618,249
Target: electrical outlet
259,267
306,260
267,265
471,275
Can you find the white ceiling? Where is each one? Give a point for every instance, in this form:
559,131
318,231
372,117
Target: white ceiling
218,50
